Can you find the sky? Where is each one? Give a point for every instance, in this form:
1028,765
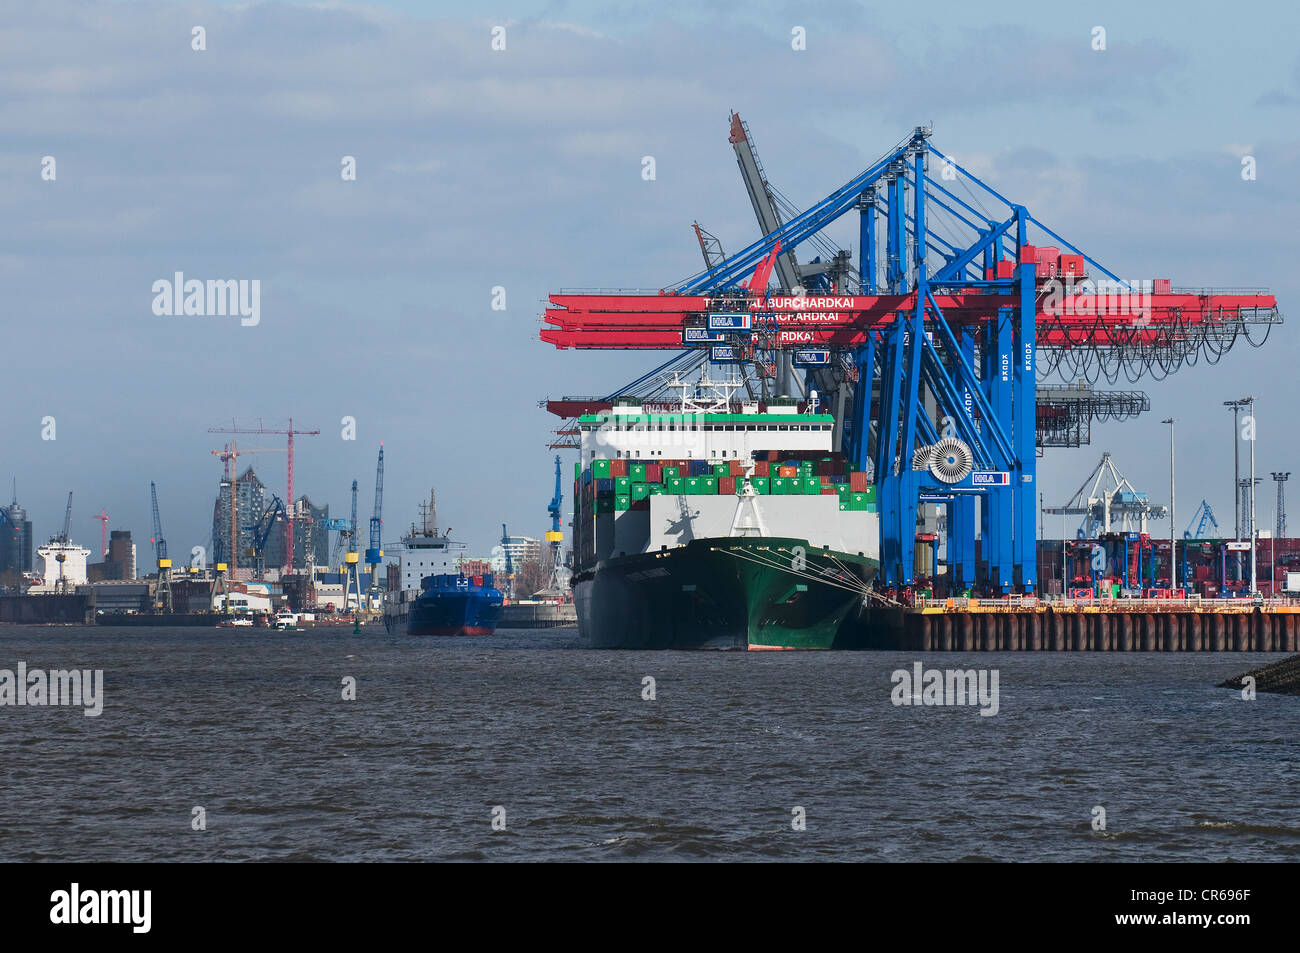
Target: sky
521,168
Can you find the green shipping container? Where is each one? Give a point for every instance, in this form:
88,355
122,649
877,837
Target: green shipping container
676,485
622,484
710,484
721,469
812,486
670,472
622,502
778,485
656,489
761,485
636,473
640,491
577,470
870,494
600,469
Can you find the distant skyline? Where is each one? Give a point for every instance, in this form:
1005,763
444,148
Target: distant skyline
520,168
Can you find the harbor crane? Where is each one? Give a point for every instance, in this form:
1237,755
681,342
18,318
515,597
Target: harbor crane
375,552
351,558
1204,515
510,569
163,593
261,532
61,541
555,536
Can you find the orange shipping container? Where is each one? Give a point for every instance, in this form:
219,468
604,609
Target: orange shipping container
858,482
787,471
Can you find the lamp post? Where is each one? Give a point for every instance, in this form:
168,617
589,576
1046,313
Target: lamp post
1173,537
1254,588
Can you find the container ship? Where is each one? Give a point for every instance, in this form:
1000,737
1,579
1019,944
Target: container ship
435,597
708,528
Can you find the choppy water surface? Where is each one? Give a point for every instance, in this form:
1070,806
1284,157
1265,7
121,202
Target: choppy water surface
253,728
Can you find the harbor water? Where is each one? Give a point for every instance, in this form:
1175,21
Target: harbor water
523,746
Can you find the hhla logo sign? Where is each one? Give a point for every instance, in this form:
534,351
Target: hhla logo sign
228,296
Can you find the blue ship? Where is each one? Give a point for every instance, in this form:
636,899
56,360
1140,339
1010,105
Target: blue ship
455,604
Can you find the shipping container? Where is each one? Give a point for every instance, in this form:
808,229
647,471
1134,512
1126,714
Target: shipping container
622,501
601,469
721,469
622,484
761,485
636,473
727,485
787,471
605,485
858,481
640,491
676,484
811,485
761,468
653,473
671,472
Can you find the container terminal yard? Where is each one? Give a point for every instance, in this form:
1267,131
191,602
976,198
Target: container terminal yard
966,339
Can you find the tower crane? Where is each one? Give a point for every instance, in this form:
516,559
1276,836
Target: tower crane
163,594
375,552
230,455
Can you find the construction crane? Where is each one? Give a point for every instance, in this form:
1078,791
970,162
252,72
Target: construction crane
163,594
555,536
67,522
290,431
510,569
375,552
102,516
230,455
981,300
1204,515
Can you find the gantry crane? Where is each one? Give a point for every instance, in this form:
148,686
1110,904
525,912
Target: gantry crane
979,301
1111,504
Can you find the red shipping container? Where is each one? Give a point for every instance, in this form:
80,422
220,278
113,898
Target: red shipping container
1071,266
1028,255
830,491
760,468
737,468
825,478
1160,286
654,473
858,482
618,468
1006,269
726,485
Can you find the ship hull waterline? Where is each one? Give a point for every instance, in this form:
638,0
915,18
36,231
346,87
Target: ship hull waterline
755,594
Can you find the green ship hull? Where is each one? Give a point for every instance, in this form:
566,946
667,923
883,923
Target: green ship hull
751,593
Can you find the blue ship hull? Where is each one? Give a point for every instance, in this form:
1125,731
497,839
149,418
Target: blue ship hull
455,605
